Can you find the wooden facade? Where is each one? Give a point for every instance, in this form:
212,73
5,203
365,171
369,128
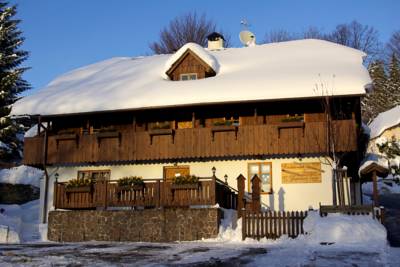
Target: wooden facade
188,144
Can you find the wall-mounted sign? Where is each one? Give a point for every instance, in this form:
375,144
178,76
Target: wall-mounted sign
299,173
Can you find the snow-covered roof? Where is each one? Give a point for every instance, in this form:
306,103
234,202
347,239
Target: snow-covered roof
263,72
200,51
384,121
372,160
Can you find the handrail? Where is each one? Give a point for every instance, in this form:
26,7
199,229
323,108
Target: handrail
155,193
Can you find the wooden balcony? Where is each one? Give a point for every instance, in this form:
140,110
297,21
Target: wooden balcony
246,141
155,193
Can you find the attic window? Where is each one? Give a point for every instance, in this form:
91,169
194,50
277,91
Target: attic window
188,76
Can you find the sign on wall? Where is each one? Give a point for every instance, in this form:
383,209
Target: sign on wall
299,173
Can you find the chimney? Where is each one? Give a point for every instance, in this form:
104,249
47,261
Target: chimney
215,41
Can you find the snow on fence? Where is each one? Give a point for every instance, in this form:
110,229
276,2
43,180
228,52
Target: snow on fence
272,224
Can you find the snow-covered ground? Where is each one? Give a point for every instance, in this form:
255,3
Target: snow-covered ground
20,223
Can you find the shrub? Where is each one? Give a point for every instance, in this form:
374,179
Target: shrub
130,180
187,179
79,182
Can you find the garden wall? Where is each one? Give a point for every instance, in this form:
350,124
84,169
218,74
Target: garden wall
152,225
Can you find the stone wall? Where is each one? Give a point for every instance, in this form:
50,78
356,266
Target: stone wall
153,225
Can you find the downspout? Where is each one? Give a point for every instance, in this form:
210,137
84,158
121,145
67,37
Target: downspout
46,181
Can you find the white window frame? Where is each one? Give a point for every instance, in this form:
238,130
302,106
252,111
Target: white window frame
188,75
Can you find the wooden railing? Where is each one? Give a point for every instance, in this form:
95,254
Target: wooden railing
155,193
272,224
248,140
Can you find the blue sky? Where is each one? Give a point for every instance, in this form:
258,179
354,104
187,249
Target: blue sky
65,34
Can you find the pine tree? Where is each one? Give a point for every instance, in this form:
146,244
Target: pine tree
393,83
375,101
11,81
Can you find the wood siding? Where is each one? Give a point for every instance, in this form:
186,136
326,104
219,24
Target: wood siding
196,143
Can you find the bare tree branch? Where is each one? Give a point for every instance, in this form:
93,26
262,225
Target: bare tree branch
184,29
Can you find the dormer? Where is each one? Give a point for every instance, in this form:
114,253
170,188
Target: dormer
191,62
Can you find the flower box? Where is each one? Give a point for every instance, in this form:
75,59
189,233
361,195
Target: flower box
79,189
185,186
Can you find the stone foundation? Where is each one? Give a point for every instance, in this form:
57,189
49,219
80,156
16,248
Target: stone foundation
153,225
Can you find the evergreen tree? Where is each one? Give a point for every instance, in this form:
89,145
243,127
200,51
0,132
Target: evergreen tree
375,101
393,83
11,81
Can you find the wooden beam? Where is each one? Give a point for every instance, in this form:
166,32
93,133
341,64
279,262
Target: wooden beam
375,189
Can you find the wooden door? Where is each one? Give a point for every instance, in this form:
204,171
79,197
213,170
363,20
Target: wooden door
171,172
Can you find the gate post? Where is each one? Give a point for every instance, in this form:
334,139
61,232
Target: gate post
255,193
241,200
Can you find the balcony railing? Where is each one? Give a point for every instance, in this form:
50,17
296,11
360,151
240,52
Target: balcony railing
155,193
248,140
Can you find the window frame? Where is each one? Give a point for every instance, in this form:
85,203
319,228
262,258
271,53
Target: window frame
259,175
188,75
90,172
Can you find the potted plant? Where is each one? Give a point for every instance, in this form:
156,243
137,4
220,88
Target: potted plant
130,183
185,182
79,186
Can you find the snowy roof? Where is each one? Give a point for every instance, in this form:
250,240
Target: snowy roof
263,72
374,162
384,121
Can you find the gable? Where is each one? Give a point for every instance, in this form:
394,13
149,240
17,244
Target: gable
189,62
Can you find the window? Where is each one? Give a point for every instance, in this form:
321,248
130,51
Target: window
188,76
264,172
98,175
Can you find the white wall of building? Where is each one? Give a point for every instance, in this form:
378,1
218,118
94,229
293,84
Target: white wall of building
285,196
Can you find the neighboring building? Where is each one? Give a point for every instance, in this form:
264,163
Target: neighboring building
387,125
252,110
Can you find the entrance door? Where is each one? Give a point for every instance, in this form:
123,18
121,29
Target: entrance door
170,172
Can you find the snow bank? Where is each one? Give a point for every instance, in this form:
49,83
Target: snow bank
384,121
385,186
20,223
209,59
21,175
270,71
344,230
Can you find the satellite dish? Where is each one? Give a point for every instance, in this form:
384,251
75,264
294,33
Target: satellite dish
247,38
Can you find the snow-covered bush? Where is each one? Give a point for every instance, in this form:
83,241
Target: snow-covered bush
390,149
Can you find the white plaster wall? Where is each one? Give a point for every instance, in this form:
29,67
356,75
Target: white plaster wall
285,197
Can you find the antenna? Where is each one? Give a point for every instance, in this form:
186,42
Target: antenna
245,24
247,38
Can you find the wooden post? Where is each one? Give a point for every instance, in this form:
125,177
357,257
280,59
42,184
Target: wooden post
255,193
244,226
375,189
213,198
39,125
158,194
240,186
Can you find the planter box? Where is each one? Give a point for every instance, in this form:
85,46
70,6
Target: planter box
129,188
184,186
80,189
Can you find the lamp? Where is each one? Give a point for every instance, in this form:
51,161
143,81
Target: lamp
56,176
226,178
213,170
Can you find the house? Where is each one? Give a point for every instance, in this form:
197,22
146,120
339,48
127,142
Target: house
385,127
279,111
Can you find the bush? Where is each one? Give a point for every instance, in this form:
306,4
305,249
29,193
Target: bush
130,180
187,179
